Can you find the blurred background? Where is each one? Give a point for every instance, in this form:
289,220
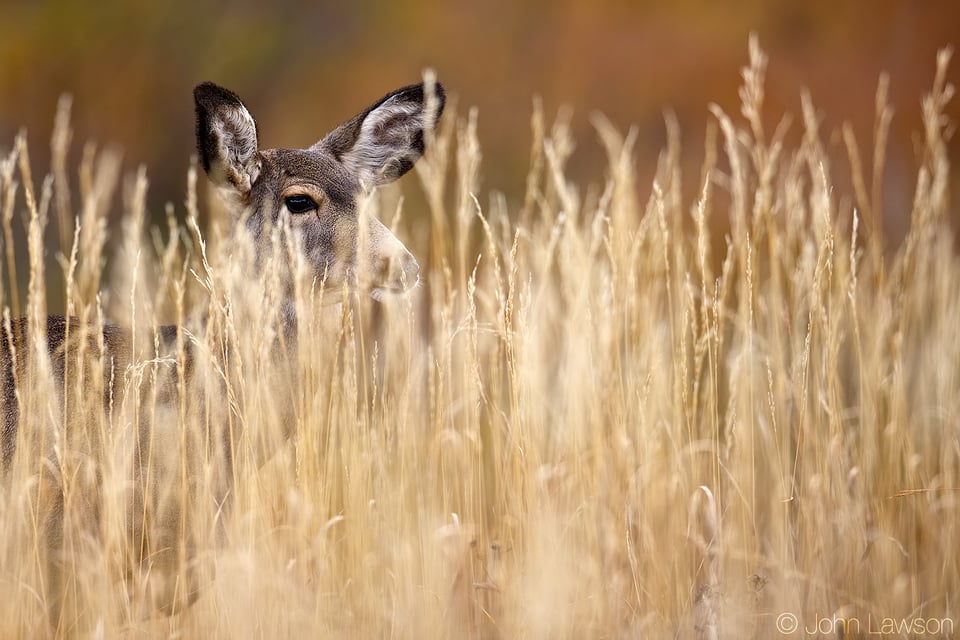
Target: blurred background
303,67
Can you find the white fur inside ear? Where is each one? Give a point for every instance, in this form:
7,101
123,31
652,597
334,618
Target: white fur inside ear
386,141
236,135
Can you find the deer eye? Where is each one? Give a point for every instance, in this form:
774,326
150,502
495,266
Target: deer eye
300,204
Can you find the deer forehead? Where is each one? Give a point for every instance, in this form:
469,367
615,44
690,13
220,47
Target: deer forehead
290,171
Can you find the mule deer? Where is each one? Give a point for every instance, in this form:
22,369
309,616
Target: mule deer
313,195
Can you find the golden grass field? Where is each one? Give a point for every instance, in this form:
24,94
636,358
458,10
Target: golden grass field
598,417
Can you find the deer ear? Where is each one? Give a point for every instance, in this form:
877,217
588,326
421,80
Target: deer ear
383,142
226,138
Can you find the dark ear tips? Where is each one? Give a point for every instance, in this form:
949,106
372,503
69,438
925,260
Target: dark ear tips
208,93
202,90
417,93
226,135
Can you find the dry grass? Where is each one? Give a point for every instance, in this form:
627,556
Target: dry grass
594,419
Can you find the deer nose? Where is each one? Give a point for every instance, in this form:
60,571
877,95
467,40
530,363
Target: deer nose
399,272
411,270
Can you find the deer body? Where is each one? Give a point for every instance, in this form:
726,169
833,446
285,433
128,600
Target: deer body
313,195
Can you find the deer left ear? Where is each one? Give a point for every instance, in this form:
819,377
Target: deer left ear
226,138
383,142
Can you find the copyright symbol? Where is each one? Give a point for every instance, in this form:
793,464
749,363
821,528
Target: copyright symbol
787,623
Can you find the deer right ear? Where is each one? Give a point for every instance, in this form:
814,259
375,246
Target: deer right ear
383,142
226,138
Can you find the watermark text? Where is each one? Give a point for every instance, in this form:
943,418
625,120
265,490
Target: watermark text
868,625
